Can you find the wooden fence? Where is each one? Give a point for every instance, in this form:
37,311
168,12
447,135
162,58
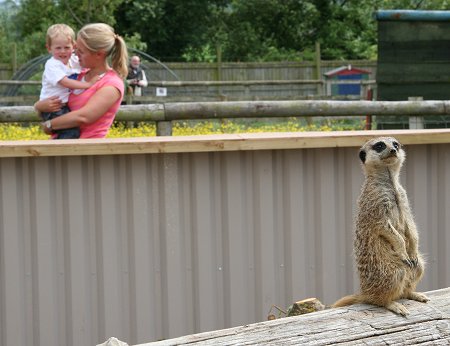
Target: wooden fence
195,91
230,81
164,113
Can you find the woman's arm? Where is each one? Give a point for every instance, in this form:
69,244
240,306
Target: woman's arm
97,106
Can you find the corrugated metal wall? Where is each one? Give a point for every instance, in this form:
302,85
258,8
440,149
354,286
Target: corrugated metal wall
145,247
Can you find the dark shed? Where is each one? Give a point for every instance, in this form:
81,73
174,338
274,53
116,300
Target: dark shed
413,61
413,54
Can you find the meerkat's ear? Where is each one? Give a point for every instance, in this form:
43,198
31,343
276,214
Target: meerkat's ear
362,156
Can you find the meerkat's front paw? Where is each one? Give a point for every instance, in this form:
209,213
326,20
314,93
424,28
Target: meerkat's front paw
409,262
397,308
414,261
417,296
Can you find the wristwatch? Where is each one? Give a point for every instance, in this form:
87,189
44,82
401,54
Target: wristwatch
48,125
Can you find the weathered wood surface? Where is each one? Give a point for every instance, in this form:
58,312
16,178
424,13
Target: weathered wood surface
427,324
215,143
20,82
252,109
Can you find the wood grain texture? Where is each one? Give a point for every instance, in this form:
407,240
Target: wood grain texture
213,143
428,324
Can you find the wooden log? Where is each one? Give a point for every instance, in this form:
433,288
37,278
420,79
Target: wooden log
18,114
427,324
20,82
250,109
253,109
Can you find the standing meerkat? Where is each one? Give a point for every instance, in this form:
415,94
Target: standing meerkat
386,240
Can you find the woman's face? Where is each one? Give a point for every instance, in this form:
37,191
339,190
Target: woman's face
85,56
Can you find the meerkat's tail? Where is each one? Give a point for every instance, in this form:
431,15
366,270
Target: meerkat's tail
348,300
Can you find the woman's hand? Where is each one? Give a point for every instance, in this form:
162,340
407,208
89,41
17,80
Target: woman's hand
49,105
46,126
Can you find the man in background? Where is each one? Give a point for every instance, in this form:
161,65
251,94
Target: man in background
136,76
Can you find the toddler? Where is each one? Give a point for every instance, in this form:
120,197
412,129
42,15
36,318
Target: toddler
60,74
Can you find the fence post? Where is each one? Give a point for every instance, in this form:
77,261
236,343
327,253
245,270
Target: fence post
164,128
416,122
14,58
318,68
219,67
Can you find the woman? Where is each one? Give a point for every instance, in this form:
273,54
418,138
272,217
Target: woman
93,109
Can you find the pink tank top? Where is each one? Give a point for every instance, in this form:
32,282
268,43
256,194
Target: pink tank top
100,128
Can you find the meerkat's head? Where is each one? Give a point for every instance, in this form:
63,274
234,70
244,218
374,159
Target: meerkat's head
382,152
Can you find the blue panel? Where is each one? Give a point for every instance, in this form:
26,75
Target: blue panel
349,89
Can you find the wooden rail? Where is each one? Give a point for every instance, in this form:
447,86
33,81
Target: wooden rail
215,143
427,324
20,82
323,90
220,83
251,109
164,113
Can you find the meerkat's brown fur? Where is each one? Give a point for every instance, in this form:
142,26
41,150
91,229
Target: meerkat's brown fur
386,240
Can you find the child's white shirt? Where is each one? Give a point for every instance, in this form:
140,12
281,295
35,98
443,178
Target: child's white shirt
54,71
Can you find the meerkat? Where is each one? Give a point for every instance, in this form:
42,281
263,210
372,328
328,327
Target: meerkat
386,244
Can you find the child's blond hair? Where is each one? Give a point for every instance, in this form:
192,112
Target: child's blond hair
59,30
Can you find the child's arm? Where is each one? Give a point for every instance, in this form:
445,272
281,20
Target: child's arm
76,84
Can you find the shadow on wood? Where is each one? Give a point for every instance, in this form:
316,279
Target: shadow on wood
427,324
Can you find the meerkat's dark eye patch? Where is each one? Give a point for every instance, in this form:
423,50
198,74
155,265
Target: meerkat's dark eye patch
362,156
379,147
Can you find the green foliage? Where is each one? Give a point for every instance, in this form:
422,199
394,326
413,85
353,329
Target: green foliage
27,22
262,29
205,53
135,41
191,30
7,30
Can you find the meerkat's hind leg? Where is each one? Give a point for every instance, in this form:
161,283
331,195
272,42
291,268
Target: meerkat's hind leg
417,296
397,308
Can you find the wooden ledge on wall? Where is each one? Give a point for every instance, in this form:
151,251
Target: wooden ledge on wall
427,324
212,143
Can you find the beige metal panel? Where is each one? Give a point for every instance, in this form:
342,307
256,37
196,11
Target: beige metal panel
12,268
75,266
427,172
143,252
146,247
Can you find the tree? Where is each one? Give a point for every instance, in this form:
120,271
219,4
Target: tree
168,27
35,16
191,30
7,31
260,28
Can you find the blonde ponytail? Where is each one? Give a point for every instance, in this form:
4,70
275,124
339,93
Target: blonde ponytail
119,57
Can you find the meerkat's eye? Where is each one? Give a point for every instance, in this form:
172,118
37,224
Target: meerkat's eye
396,145
362,156
379,147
